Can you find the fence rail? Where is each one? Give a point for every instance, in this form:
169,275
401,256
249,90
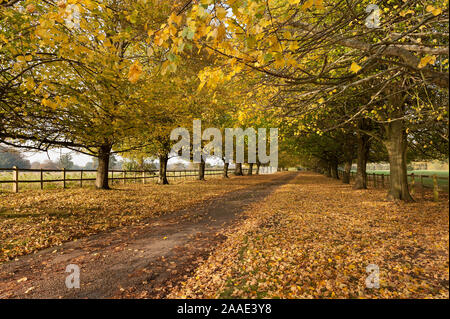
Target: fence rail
416,182
66,176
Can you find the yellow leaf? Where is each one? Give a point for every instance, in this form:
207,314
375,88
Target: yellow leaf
355,67
21,59
308,4
429,59
406,12
135,72
220,32
319,4
3,38
221,13
175,18
433,10
29,84
30,8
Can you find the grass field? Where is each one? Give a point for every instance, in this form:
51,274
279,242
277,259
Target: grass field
427,181
29,176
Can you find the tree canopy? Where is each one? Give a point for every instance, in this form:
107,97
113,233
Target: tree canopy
344,81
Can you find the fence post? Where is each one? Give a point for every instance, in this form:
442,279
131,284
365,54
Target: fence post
81,178
123,176
64,177
42,179
412,184
435,188
143,177
15,179
112,177
382,180
374,180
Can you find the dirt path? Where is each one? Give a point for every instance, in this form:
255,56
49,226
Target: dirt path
143,261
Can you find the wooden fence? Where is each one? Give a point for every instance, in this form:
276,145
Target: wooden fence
416,183
65,177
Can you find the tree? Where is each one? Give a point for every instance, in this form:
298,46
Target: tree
83,99
49,164
91,165
10,157
65,161
318,51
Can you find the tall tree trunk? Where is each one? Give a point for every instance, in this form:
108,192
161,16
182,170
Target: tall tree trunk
250,169
201,170
101,180
346,174
396,145
163,159
328,170
361,161
334,170
225,170
258,165
238,169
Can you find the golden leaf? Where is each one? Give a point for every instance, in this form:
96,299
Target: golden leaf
135,72
429,59
355,67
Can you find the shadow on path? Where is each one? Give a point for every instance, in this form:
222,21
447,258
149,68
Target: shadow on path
140,261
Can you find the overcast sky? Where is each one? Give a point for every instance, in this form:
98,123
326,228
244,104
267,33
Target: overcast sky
81,159
77,158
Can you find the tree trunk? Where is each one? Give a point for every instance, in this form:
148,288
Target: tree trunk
201,170
163,159
238,169
225,170
334,170
328,170
346,174
257,168
361,161
396,145
101,180
250,169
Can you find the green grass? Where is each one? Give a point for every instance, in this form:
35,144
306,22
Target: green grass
427,181
28,176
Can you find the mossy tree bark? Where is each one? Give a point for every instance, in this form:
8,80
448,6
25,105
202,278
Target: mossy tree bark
101,180
361,161
201,170
250,169
225,170
346,173
238,169
163,159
